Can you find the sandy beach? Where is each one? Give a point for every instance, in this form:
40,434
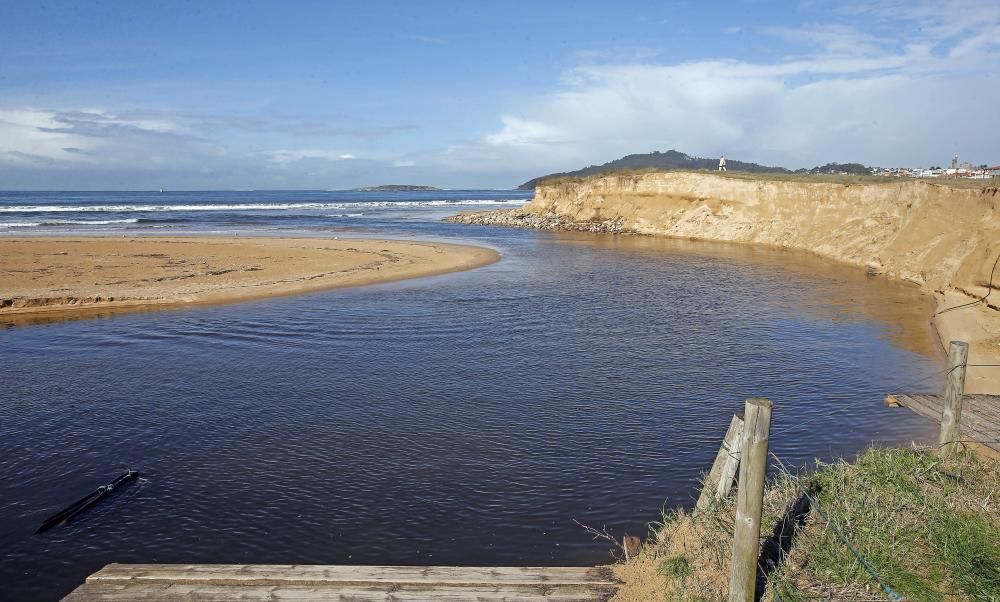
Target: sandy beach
53,276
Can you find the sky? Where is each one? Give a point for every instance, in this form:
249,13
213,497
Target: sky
333,95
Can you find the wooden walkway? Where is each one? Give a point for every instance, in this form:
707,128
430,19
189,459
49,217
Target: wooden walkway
980,414
251,582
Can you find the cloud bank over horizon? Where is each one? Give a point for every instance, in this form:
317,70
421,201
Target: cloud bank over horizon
883,84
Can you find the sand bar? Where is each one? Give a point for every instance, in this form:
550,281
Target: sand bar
52,276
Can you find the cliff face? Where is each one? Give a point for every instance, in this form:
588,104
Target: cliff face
943,238
934,235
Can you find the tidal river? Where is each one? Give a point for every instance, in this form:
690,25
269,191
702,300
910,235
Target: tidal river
460,419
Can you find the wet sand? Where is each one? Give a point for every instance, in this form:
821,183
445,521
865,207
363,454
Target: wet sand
55,277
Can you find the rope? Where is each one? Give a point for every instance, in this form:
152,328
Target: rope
893,595
989,289
944,372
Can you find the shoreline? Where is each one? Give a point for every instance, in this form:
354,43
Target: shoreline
978,324
67,277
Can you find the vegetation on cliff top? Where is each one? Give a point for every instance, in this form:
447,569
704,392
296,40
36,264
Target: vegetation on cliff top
800,177
927,526
677,161
656,160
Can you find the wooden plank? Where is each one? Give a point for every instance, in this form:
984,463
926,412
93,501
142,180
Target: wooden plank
167,592
980,409
720,478
990,402
974,421
920,407
732,464
980,419
259,574
983,434
925,409
985,405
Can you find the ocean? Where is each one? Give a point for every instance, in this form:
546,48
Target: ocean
469,418
169,213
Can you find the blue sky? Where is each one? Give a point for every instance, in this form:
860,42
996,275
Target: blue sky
237,95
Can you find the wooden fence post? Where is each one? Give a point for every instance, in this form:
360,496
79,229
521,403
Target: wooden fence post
720,479
958,357
750,499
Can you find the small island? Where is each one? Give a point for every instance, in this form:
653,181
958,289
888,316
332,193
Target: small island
396,188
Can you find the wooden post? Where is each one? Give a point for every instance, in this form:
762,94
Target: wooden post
632,546
720,479
958,357
750,499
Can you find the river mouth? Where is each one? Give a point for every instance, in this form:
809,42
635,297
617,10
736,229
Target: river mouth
460,419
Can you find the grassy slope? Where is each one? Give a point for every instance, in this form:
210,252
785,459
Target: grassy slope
929,527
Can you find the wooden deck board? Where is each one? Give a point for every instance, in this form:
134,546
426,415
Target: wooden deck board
160,592
264,574
980,414
156,582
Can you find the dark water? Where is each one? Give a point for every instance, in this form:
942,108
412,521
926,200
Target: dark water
461,419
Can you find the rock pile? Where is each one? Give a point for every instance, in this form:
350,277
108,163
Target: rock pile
518,218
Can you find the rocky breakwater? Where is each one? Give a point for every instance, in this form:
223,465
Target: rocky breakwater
551,221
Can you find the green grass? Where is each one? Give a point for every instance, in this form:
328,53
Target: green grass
927,526
676,567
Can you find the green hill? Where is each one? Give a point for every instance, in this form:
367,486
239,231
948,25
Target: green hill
671,159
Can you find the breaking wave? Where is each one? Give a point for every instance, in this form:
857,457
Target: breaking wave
252,206
69,222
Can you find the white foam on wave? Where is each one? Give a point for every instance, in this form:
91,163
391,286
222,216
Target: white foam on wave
253,206
92,222
69,222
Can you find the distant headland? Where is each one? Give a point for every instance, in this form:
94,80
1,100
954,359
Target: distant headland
396,188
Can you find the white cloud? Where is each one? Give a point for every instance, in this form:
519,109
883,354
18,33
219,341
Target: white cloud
27,135
68,138
850,95
96,148
831,38
284,157
882,83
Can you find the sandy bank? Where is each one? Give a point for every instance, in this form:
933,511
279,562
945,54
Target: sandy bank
942,238
52,276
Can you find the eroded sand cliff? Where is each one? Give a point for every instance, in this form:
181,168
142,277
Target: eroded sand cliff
943,238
